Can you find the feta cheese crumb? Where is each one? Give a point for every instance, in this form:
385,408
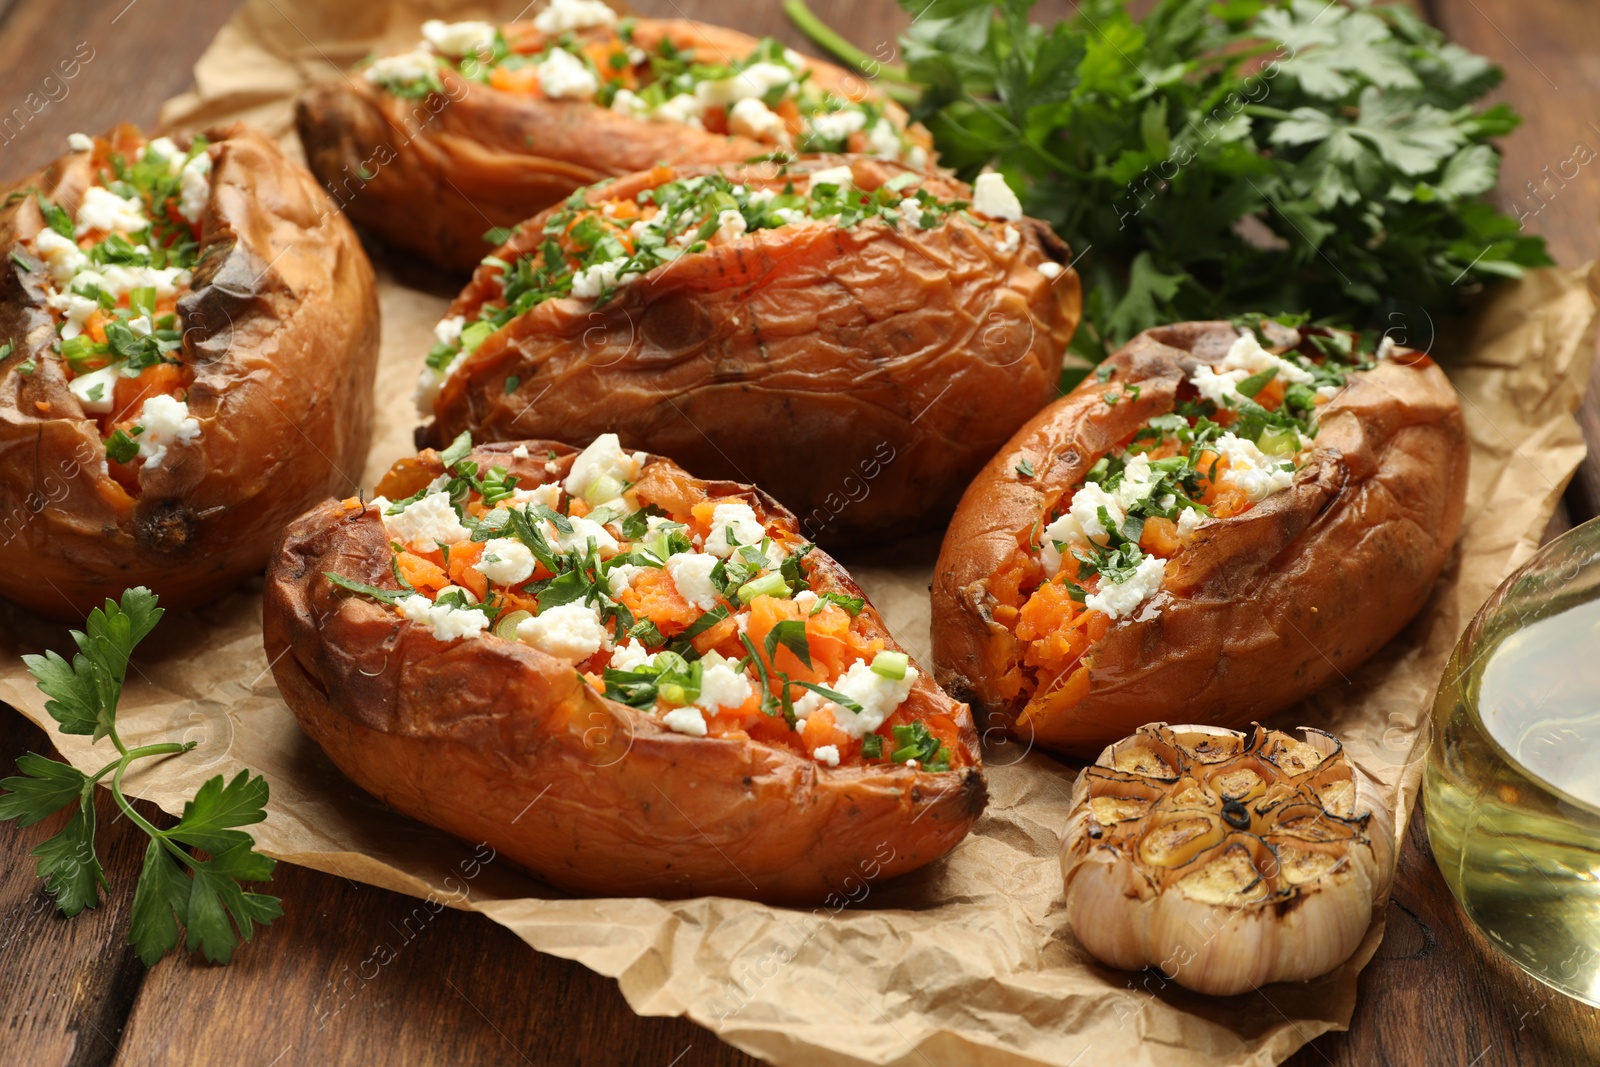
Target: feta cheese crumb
1250,470
105,212
733,525
630,656
95,389
427,523
1010,240
505,561
883,140
691,573
61,254
80,142
572,632
447,622
620,578
753,119
1188,521
688,720
838,125
591,281
520,452
754,82
456,39
403,69
194,187
563,16
991,196
877,695
583,531
604,458
828,754
165,422
1051,269
564,76
1119,599
730,225
843,177
722,687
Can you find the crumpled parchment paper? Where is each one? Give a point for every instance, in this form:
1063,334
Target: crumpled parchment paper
968,961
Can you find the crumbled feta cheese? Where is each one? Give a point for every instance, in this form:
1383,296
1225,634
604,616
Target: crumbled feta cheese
80,142
682,108
520,452
877,695
1010,240
602,459
837,125
564,76
1328,392
402,69
563,16
590,282
840,176
456,39
572,632
1087,503
1250,470
165,421
1051,269
805,600
446,621
505,561
1386,348
722,687
630,655
991,196
162,149
105,212
620,578
790,216
690,720
548,494
95,389
755,81
583,532
141,326
917,158
730,225
448,330
1118,599
733,525
1188,521
77,310
119,281
883,140
910,210
427,523
828,754
751,118
194,187
1245,358
691,573
61,254
628,102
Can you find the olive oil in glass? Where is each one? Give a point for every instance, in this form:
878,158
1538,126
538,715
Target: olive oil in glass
1512,783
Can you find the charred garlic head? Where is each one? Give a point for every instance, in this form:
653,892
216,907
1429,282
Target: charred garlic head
1227,859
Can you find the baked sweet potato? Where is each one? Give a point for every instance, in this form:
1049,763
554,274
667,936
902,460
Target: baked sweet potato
482,126
626,680
1206,531
853,336
190,337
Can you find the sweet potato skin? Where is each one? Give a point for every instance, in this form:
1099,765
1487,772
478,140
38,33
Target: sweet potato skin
281,330
494,741
431,176
1257,611
861,376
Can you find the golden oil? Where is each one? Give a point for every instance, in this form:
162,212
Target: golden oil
1512,783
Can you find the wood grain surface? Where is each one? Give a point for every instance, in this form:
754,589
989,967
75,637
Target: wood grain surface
360,975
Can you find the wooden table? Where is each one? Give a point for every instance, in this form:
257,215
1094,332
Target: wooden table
467,991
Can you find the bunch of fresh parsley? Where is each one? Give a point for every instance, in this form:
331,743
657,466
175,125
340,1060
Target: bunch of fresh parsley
175,886
1224,155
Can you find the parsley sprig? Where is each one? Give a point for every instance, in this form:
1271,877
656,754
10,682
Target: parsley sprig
176,885
1214,157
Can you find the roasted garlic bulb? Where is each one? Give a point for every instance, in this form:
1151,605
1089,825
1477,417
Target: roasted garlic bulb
1226,859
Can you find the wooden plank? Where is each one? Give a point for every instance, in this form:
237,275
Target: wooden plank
84,65
70,982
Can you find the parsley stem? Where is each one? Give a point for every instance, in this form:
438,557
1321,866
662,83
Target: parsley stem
138,820
832,42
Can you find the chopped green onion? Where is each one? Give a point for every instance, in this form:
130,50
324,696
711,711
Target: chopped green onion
506,625
769,584
890,665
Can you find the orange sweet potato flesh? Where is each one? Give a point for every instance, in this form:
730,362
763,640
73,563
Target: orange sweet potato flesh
494,741
1257,611
441,172
861,376
280,335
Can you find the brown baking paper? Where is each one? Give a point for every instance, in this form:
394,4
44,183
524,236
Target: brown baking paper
968,961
